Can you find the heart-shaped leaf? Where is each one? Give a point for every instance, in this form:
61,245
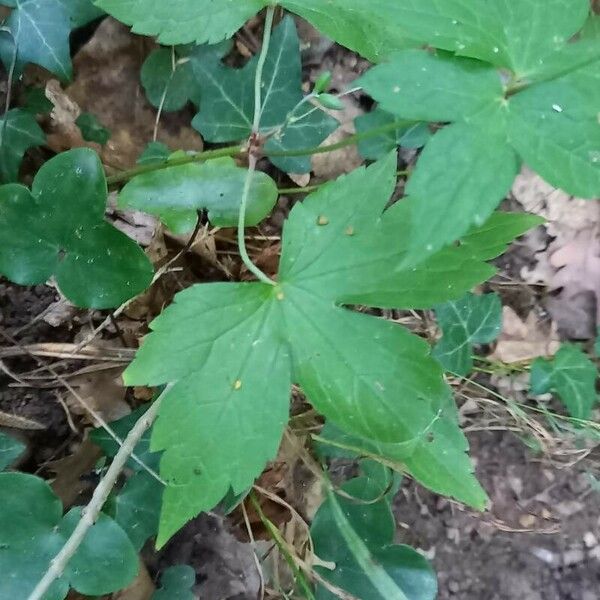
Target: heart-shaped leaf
58,228
33,530
10,450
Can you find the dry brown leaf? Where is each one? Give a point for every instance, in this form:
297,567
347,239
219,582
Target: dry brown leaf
570,264
524,340
101,390
69,483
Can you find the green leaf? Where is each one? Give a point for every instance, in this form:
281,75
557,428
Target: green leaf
168,82
232,351
184,22
215,185
91,129
370,29
176,584
36,101
571,375
554,126
81,12
19,131
59,229
465,322
10,450
227,100
121,428
358,539
421,86
33,530
591,29
40,29
154,152
408,135
137,507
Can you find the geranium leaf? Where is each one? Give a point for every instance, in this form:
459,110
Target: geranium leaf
554,126
410,134
232,352
571,375
215,186
10,450
184,22
19,131
58,228
357,537
465,322
227,100
33,530
40,29
176,584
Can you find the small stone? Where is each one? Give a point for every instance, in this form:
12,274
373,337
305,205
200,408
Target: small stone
545,555
573,556
527,521
454,587
590,540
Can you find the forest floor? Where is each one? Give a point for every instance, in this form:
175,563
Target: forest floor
540,540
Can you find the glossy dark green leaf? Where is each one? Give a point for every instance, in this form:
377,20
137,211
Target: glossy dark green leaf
177,193
59,229
137,507
571,375
19,131
167,79
227,100
40,29
10,449
33,530
176,584
36,101
357,537
91,129
465,322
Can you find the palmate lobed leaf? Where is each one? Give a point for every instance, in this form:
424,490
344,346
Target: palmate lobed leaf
233,350
58,229
546,115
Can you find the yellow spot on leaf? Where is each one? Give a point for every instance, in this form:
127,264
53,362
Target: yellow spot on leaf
237,385
349,230
322,220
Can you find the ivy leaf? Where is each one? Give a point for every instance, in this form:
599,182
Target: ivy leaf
469,166
571,375
19,131
58,228
81,12
10,450
184,22
177,193
465,322
33,530
227,100
176,584
168,82
91,129
410,134
36,101
232,350
40,29
137,507
154,152
358,539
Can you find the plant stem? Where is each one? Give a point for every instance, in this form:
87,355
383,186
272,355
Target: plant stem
90,513
258,107
252,160
237,150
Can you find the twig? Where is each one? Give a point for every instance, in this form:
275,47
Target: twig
90,513
254,551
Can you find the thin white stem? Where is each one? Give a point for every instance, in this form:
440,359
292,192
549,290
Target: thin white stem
258,108
241,234
90,513
164,95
